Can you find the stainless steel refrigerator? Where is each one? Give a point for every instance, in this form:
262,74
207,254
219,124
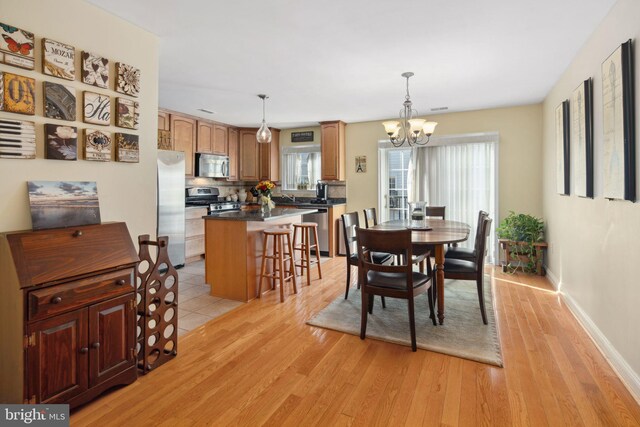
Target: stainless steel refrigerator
171,203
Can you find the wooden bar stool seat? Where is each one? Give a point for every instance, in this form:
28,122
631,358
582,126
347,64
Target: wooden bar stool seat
281,252
305,246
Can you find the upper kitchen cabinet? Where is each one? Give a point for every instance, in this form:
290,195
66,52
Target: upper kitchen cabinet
163,120
249,155
204,143
183,132
220,136
270,157
233,154
332,145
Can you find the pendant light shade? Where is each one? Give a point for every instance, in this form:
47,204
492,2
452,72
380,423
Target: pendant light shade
264,134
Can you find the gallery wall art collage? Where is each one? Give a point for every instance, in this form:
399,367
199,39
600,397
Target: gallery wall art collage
18,95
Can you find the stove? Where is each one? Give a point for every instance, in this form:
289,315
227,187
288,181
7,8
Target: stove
209,196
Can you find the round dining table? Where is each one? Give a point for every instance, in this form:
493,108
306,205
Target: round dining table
436,232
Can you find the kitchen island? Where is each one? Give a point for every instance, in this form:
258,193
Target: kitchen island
233,249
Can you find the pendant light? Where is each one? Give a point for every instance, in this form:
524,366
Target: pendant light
264,134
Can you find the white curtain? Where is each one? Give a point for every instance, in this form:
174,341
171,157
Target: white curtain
460,176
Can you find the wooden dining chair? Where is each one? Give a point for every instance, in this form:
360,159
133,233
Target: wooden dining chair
468,254
470,270
350,222
370,218
393,281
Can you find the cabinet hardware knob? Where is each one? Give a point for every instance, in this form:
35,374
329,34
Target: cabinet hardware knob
77,233
84,350
95,345
120,282
56,300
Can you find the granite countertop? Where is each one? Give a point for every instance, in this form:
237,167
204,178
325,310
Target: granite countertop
305,202
256,215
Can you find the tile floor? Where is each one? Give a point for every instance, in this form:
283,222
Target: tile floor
196,305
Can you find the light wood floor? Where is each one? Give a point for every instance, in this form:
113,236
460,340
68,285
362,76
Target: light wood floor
261,364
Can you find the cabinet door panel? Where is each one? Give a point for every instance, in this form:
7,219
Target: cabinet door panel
111,338
183,132
220,140
233,154
57,365
329,149
249,157
205,138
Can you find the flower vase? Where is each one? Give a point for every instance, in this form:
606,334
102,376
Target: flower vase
265,204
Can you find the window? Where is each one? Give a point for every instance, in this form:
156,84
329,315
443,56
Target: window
300,167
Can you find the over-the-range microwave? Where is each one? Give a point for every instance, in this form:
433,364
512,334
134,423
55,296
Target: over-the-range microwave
212,165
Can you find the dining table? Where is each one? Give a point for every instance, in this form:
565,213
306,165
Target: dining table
436,232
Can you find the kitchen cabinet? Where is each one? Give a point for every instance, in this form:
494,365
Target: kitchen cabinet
67,313
204,142
194,233
163,120
183,134
220,136
270,158
233,154
332,146
249,155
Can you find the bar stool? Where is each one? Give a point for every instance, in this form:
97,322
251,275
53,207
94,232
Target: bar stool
305,247
280,254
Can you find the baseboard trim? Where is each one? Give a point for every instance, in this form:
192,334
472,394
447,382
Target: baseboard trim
628,376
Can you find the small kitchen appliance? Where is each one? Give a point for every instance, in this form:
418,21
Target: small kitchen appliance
321,191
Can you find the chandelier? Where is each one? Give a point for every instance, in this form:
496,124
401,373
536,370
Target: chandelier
409,130
264,134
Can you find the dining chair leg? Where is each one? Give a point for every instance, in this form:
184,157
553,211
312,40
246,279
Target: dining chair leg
384,304
412,325
370,304
432,313
346,292
480,285
363,319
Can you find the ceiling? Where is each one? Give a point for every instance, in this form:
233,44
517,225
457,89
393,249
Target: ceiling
342,59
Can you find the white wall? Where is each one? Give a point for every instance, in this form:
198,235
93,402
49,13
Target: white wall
594,244
127,192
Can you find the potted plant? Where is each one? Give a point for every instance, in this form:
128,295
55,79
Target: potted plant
522,240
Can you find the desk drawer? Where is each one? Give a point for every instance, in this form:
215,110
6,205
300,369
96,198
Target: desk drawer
60,298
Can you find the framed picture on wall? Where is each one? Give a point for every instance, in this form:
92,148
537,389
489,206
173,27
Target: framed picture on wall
562,149
618,125
582,138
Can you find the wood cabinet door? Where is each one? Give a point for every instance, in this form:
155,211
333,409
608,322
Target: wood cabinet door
183,132
329,149
111,338
163,121
220,140
270,157
233,154
249,156
204,143
57,358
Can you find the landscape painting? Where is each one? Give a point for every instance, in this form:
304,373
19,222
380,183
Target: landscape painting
62,142
58,204
16,47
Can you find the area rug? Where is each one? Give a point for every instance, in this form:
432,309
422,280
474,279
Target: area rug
463,333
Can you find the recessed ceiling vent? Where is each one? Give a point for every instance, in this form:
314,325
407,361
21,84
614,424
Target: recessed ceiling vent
440,109
204,110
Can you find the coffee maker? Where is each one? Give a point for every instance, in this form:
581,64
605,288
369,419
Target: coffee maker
321,191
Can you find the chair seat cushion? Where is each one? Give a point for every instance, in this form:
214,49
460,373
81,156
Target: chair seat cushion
452,265
394,280
377,257
461,253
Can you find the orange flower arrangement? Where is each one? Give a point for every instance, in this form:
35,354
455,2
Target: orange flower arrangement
265,187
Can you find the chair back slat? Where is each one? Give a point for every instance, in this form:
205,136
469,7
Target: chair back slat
435,211
395,242
370,217
482,244
350,221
